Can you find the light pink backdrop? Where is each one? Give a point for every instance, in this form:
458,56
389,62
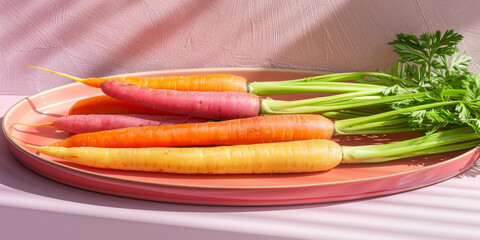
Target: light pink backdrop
98,38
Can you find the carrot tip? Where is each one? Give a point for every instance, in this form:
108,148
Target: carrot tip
34,147
30,146
58,73
22,143
9,134
48,124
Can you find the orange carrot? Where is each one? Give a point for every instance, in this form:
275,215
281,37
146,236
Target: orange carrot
205,82
329,83
261,129
104,104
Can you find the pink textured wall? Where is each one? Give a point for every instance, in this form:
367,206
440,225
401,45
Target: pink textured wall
98,38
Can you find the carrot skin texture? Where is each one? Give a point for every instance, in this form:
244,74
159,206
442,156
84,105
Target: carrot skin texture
211,105
207,83
261,129
103,104
102,122
286,157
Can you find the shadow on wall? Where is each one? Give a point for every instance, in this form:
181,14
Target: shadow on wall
151,37
353,35
99,39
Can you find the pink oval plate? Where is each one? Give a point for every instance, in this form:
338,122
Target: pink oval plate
345,182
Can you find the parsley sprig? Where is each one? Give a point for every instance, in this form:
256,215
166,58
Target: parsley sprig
432,64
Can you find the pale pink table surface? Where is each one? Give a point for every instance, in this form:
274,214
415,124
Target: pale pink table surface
98,38
34,207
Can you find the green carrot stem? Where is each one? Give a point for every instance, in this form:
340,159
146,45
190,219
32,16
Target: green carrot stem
379,153
375,124
331,77
344,126
386,130
321,100
423,152
336,77
311,105
348,101
345,114
273,88
329,83
366,101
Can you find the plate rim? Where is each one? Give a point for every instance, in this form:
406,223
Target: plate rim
24,150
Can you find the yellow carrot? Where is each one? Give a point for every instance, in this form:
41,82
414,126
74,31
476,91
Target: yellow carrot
286,157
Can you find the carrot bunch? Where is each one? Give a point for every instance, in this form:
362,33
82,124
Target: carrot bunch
250,134
243,142
286,143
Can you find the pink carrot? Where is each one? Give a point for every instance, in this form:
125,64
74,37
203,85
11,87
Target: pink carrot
211,105
101,122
